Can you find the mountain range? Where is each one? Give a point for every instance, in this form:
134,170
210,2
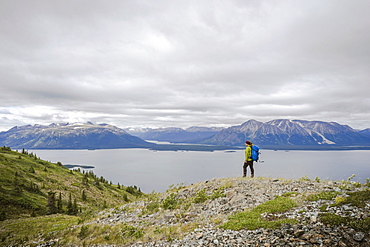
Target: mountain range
278,132
70,136
290,133
273,134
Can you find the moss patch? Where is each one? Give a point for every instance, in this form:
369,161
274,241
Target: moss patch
357,199
333,219
324,195
252,219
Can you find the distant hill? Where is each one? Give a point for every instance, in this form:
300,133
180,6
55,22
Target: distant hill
365,132
175,135
70,136
290,133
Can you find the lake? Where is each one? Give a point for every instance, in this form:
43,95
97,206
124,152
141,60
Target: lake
157,170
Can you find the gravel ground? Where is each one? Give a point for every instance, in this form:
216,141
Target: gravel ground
246,193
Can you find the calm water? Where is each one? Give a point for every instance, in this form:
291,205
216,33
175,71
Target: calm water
151,170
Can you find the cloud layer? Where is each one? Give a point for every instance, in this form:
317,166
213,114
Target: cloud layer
184,63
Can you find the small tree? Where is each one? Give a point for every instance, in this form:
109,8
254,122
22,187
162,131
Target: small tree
125,198
84,197
59,203
2,214
32,170
51,203
85,179
74,207
15,180
69,205
17,184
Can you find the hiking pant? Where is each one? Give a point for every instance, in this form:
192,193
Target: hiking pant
246,164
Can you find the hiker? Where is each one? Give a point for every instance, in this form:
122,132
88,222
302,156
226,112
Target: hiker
248,159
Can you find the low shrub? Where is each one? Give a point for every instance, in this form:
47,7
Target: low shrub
171,201
201,196
324,195
131,231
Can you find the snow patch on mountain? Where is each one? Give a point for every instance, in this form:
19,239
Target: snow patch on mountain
324,140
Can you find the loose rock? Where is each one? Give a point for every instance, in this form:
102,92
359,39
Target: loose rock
239,195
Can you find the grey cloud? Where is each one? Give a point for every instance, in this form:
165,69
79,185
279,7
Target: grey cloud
178,62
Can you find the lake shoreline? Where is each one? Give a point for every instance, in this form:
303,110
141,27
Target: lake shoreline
209,148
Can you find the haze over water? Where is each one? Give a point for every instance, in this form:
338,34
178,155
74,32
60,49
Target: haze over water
151,170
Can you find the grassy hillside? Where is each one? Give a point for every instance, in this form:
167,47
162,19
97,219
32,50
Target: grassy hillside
219,209
30,186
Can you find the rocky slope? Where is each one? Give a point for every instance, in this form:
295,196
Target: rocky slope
324,213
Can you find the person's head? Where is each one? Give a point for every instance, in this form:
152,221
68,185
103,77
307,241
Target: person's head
248,143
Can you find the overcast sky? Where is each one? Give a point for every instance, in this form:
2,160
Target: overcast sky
184,63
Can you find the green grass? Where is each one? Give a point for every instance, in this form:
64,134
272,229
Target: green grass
201,195
16,232
252,219
118,234
324,195
357,198
172,200
290,194
132,232
337,220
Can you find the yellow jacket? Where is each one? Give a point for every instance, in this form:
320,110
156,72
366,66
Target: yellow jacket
248,153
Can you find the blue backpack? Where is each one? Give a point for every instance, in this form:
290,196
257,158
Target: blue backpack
255,152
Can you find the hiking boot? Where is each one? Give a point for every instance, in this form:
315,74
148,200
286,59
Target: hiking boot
252,176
